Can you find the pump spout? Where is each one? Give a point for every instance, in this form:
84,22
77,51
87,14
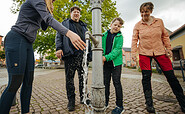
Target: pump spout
88,35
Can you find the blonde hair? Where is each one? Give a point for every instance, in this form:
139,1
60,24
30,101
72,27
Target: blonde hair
49,5
119,19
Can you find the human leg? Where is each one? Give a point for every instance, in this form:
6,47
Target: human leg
78,62
70,88
116,77
166,66
80,77
26,89
13,49
107,77
145,65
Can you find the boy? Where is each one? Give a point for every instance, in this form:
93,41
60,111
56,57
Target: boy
112,42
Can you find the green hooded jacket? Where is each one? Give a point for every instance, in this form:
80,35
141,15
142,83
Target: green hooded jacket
116,53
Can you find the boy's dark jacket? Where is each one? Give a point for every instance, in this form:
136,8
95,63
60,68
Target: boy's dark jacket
63,42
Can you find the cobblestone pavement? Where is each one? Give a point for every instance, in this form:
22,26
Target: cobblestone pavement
49,94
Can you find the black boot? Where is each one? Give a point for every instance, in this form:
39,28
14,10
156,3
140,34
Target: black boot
176,88
71,105
81,100
146,82
149,101
150,109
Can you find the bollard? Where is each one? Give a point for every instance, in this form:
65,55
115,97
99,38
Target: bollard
182,69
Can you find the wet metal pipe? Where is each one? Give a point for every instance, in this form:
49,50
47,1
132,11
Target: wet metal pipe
98,88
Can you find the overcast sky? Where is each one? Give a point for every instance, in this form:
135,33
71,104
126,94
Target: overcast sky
172,12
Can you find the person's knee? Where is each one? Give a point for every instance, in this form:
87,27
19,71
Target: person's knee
117,84
15,83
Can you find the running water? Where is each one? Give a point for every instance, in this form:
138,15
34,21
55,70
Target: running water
86,92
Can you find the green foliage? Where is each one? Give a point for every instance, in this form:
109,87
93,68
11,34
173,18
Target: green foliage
131,67
153,70
108,13
16,5
45,42
2,54
51,57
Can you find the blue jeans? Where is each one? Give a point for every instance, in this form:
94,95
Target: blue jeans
20,65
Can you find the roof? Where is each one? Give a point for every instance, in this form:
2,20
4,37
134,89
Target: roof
126,49
169,32
177,31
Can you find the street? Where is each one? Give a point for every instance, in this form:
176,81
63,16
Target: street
49,93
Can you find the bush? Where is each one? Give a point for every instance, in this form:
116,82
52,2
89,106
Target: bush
130,67
153,70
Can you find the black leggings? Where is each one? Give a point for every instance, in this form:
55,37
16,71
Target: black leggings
20,66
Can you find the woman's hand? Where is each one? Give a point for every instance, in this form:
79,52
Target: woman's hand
59,54
168,53
76,40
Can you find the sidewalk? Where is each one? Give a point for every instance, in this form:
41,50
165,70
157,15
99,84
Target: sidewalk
49,94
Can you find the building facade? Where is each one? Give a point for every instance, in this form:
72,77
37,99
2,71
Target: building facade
127,59
177,39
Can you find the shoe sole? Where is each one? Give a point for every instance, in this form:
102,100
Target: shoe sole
106,107
123,111
71,110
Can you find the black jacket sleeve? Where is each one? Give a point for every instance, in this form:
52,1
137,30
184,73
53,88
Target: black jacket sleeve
59,41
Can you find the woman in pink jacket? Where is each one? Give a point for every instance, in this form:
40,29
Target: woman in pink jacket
154,43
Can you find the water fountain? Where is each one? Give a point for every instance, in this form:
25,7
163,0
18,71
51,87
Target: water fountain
97,88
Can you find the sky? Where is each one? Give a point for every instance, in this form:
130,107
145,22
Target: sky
172,12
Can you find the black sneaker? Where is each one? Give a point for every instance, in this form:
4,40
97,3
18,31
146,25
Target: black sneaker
81,100
118,110
106,106
71,106
150,109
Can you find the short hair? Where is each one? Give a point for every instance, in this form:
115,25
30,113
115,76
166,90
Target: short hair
73,8
148,5
119,19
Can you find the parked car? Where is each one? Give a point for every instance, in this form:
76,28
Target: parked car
39,66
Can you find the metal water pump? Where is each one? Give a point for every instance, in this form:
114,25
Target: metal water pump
97,88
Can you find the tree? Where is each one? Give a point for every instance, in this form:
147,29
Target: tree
2,53
51,57
45,42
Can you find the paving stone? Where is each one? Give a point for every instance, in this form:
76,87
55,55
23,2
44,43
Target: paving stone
49,94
